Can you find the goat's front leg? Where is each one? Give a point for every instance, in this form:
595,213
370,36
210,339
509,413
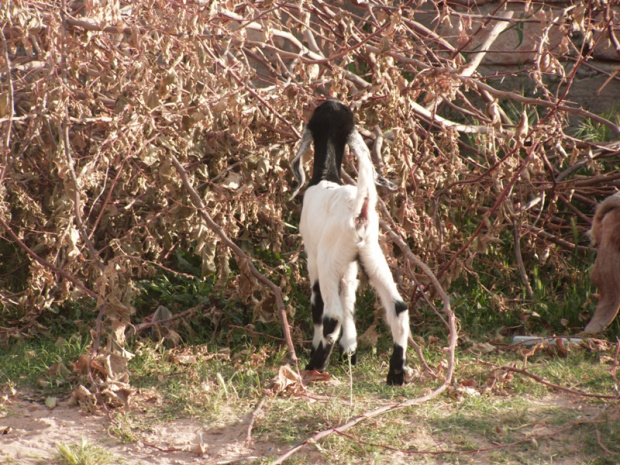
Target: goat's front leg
396,312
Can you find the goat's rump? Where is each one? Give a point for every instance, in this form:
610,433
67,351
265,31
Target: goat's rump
606,270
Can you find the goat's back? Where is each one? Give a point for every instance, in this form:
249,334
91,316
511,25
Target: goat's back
327,214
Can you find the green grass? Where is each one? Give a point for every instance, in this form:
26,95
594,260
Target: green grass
593,131
83,454
218,373
491,299
219,387
456,421
214,384
42,363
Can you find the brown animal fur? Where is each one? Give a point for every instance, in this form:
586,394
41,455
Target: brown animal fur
605,275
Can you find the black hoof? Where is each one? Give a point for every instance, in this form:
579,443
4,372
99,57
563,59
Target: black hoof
396,375
319,358
396,378
313,364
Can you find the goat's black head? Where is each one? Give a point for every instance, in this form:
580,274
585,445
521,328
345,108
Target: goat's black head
330,125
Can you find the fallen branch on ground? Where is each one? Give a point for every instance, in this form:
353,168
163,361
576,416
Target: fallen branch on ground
540,380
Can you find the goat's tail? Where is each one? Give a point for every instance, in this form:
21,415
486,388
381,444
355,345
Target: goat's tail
366,199
296,163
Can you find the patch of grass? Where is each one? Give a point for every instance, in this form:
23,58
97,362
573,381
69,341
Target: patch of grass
220,386
493,301
593,131
513,411
42,364
219,380
124,427
83,453
210,382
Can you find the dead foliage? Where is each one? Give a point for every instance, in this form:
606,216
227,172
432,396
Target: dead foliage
98,97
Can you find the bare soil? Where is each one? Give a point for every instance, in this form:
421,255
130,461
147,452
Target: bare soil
31,432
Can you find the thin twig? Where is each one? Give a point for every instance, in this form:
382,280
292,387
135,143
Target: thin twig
519,258
253,416
6,148
144,326
600,442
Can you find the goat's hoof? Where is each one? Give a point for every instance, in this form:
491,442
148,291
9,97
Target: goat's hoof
399,377
344,357
396,378
313,366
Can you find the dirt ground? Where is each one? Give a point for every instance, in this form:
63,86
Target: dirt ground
30,432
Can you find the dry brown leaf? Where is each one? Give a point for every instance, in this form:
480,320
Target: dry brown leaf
482,347
286,383
314,376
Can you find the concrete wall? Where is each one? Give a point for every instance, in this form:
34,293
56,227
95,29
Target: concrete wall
513,54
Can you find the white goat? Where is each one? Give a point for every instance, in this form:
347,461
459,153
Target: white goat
340,228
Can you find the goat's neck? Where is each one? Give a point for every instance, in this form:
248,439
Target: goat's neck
327,162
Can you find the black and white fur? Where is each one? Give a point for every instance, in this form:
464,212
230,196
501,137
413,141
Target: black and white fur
340,229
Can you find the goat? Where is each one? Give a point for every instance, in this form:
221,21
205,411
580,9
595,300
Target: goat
340,229
605,233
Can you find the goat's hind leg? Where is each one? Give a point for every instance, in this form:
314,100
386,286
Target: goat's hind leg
319,352
348,288
326,331
329,287
317,356
396,312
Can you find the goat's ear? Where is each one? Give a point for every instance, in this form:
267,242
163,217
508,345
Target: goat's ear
360,149
357,145
381,181
296,165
